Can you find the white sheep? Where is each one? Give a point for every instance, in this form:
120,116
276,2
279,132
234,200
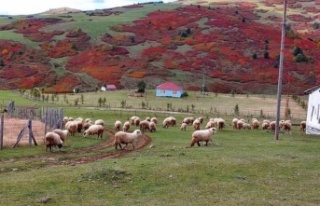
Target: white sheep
72,127
135,120
95,129
99,122
154,119
152,127
117,125
220,123
286,125
255,124
200,119
166,122
52,139
210,124
204,135
188,120
62,133
126,138
126,126
235,123
86,125
183,126
196,124
144,125
303,125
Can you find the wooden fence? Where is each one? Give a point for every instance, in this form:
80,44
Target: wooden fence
51,117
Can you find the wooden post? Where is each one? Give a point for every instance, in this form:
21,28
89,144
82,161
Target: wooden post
31,136
1,131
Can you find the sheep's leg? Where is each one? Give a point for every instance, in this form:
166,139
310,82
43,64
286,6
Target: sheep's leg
198,143
125,146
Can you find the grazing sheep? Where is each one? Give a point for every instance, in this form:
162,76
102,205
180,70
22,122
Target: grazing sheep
200,119
173,121
135,120
188,120
117,125
211,123
126,126
240,124
303,125
166,122
62,133
72,127
94,129
99,122
235,123
152,127
265,124
183,126
272,125
144,125
86,125
79,125
246,126
196,124
202,136
126,138
52,139
220,123
154,119
255,124
286,125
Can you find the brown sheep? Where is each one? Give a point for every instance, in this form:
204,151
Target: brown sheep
51,140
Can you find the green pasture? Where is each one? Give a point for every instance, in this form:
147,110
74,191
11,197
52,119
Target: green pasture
247,167
97,26
238,168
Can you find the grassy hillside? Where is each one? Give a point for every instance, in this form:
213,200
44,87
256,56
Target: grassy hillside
219,46
246,167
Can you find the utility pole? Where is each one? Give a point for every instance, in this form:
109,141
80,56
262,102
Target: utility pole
280,70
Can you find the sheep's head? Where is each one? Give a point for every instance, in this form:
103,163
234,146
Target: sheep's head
85,134
137,132
213,130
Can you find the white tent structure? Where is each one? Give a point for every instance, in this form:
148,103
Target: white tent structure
313,113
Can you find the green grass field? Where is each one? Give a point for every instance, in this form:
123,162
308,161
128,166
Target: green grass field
239,168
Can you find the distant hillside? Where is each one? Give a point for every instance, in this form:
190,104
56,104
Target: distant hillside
62,10
219,46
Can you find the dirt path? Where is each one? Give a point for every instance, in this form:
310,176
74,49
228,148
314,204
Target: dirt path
79,156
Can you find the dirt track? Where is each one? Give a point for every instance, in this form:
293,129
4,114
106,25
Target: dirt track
79,156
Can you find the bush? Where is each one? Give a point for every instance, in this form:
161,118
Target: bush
184,94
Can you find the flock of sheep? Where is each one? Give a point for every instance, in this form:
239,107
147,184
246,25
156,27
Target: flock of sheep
87,127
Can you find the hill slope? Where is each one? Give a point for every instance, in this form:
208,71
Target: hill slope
222,46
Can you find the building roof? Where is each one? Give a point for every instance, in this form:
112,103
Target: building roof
308,91
169,85
111,87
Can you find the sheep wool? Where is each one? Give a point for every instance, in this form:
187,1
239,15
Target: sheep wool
62,133
126,138
52,139
94,130
204,135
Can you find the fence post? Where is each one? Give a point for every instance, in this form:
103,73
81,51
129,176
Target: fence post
1,131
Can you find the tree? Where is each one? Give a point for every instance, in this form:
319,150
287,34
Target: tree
236,110
141,87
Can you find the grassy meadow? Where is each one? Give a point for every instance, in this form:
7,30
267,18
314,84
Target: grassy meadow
246,167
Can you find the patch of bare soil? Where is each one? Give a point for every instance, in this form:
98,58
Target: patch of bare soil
12,127
80,156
